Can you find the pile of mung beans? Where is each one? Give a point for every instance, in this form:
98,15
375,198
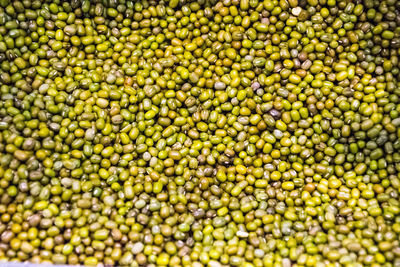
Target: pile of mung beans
200,132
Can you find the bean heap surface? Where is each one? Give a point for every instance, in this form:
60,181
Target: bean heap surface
200,133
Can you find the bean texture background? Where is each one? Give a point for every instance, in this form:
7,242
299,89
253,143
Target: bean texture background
200,133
